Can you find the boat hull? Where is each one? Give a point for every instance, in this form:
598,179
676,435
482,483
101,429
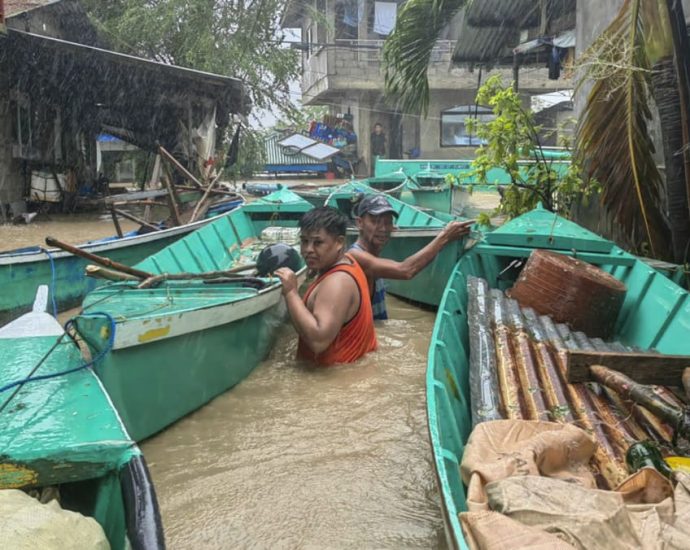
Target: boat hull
63,432
155,380
655,314
21,273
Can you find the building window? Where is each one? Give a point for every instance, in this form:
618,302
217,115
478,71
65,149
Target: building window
454,131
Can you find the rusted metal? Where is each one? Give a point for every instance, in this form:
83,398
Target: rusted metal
528,354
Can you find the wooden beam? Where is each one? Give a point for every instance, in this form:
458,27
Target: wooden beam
179,167
644,368
116,222
136,219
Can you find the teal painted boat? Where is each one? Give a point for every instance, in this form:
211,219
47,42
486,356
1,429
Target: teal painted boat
391,184
23,270
177,345
430,189
655,314
61,430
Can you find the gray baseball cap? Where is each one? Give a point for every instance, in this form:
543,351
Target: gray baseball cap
375,204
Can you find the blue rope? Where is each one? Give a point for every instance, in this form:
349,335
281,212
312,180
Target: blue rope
101,355
52,281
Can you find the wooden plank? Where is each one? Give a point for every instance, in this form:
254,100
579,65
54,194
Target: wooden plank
645,368
136,195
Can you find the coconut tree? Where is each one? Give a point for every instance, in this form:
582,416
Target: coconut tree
407,51
632,63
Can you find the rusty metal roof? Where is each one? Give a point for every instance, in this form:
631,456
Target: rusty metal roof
16,7
527,352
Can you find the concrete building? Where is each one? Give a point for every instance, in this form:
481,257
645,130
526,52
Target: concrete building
60,87
341,63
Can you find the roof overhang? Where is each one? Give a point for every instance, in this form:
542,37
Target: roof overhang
491,29
119,90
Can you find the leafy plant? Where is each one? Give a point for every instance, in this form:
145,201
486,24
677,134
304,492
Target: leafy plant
407,51
511,141
241,39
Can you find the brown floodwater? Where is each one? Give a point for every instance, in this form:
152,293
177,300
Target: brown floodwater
71,228
295,457
308,458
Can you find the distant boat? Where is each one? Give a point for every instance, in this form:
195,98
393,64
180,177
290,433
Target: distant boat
179,344
655,314
261,189
23,270
63,432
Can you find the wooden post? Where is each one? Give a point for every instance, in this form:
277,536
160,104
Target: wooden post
172,197
116,222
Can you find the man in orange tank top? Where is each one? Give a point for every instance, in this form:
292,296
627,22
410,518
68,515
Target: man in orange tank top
334,319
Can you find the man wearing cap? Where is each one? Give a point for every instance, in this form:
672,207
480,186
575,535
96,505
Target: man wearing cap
374,217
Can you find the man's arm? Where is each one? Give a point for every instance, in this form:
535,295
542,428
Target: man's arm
383,268
331,307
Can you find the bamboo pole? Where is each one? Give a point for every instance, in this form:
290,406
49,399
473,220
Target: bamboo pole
98,272
100,260
642,395
206,275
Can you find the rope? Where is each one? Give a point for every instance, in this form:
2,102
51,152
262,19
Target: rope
96,359
52,281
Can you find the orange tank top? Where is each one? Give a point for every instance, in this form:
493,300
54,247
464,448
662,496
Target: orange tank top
356,337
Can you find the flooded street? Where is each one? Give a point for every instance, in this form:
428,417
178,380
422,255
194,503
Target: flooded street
71,228
296,457
308,458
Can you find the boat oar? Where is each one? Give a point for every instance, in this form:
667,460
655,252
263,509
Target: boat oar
100,260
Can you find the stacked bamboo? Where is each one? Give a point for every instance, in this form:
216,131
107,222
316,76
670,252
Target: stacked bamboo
518,371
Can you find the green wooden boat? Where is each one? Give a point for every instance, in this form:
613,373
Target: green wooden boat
430,189
655,314
62,430
22,270
391,184
178,345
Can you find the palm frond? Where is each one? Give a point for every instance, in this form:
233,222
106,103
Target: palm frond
613,137
407,51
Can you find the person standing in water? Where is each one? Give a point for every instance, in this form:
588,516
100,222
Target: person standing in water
374,217
334,319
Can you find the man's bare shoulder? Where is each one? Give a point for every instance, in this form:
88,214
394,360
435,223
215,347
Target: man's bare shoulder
337,282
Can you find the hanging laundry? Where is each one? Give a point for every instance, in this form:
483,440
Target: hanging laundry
352,12
384,17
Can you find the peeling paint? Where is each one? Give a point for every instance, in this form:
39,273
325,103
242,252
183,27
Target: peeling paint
154,334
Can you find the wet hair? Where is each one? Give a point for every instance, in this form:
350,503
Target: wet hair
325,217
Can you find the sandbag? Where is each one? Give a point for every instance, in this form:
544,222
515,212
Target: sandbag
26,524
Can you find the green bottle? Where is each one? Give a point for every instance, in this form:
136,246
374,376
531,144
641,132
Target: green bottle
645,454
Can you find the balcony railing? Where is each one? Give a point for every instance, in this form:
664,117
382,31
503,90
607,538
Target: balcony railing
355,58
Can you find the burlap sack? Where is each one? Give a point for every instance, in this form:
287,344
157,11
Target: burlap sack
503,448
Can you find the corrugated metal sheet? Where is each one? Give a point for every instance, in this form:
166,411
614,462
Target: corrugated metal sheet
527,352
275,154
